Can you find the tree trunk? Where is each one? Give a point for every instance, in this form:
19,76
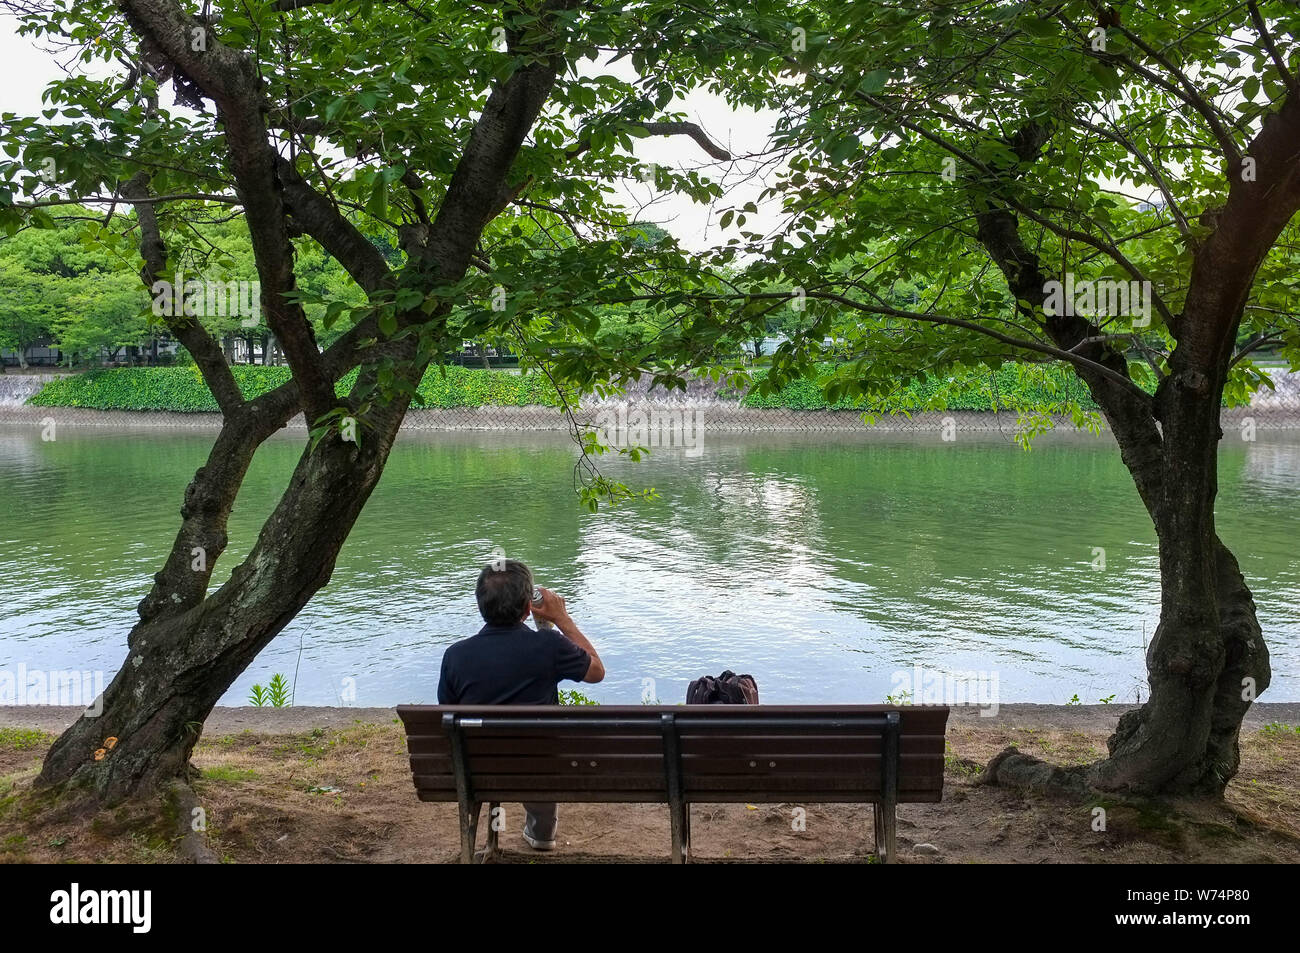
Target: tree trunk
1207,661
1188,732
180,664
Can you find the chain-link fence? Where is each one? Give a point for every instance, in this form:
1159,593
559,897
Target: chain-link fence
1278,409
647,416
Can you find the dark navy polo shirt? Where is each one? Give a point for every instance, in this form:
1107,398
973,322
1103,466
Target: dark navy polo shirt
510,665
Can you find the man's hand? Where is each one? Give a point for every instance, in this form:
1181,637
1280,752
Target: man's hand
552,610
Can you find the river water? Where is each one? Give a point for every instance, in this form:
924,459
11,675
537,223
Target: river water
824,566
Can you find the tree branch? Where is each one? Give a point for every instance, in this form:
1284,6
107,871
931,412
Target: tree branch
1267,39
142,200
229,78
196,339
689,129
316,216
1039,347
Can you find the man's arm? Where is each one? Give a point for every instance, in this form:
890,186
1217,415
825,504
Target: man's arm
552,610
569,629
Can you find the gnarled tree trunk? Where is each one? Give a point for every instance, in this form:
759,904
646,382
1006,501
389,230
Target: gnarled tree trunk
189,645
1207,660
179,665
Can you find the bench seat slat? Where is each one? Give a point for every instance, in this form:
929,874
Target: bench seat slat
427,719
486,742
693,765
731,741
488,786
714,797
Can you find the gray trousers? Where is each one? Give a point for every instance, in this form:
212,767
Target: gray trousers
541,819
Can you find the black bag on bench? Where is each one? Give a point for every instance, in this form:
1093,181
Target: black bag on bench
727,689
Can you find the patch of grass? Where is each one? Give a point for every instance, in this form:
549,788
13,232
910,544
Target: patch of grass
318,743
311,747
962,767
25,739
1156,817
226,773
245,739
1278,730
150,849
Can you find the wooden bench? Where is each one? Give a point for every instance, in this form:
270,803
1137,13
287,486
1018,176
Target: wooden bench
676,754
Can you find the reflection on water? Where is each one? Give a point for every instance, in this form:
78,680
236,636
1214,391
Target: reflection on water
820,565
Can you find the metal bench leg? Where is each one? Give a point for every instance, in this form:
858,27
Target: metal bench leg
886,828
880,830
468,831
686,832
466,806
886,808
493,849
680,815
679,809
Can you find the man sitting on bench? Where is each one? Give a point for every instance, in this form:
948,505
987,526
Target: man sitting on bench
508,663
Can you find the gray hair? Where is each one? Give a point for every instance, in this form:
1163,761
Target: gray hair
504,591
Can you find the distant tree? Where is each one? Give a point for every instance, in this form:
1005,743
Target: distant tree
27,307
101,314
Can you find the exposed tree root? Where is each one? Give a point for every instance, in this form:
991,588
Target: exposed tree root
191,822
1010,768
1014,770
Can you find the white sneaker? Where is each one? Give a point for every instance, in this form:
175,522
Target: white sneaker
537,844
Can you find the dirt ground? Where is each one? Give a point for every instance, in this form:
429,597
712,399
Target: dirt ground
333,786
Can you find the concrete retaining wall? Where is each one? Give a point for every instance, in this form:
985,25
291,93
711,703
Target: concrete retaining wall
1270,410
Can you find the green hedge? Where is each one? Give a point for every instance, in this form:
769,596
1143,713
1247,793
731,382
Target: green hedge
182,388
476,387
1011,385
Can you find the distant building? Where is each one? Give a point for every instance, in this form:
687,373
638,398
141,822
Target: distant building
46,354
766,347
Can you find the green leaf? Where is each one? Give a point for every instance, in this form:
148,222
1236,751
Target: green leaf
377,205
874,81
